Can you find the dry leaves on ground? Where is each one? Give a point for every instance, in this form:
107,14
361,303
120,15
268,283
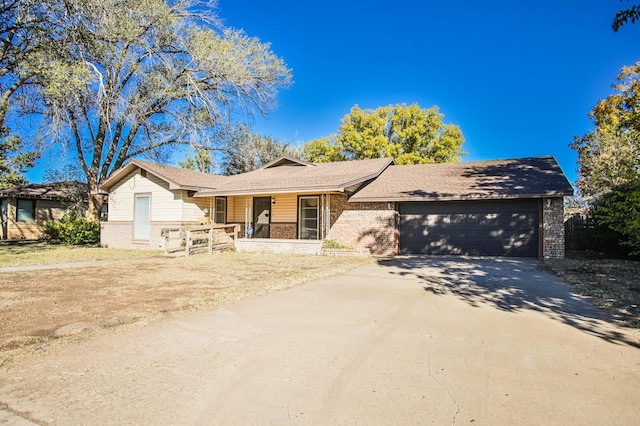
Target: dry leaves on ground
611,284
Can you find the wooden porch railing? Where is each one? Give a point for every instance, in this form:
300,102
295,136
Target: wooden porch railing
198,238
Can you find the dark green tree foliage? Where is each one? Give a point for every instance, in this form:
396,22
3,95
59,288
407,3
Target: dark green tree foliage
14,161
624,16
619,211
73,229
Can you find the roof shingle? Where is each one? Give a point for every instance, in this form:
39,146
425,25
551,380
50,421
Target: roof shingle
46,191
534,177
301,177
178,178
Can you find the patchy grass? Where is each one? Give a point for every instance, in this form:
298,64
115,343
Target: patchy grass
611,284
41,253
62,305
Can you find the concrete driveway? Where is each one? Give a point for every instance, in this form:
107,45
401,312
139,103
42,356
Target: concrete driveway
408,341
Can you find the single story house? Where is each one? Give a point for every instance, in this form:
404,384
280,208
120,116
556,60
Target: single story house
498,208
24,210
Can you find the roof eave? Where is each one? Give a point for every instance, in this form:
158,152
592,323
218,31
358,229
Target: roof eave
305,190
467,197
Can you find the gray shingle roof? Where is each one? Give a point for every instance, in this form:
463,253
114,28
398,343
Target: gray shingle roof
45,191
178,178
515,178
290,176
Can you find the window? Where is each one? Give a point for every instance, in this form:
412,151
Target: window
142,216
26,211
221,211
308,213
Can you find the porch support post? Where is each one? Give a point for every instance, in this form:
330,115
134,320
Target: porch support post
328,221
322,217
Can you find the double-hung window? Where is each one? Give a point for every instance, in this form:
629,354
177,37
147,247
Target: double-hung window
26,210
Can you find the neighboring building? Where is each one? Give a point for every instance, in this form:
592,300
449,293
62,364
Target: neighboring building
24,210
499,208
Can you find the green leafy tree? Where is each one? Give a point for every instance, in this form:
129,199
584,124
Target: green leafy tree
324,150
606,160
610,155
619,210
201,161
14,160
138,78
410,134
621,110
246,151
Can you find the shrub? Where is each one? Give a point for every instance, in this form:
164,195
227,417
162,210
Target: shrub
331,244
619,211
73,229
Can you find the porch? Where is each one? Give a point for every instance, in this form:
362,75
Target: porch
276,245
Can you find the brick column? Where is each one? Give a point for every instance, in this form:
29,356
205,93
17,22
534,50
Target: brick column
553,228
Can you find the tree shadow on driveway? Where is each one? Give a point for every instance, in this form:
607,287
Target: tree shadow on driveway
507,284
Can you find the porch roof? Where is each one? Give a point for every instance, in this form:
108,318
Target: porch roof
293,176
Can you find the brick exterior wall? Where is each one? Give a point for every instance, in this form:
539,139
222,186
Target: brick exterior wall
264,245
364,225
284,231
553,244
120,234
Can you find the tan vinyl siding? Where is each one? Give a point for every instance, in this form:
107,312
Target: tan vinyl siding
236,208
193,208
231,203
166,205
283,211
285,208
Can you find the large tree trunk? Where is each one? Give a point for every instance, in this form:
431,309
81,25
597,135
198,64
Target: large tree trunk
95,198
95,206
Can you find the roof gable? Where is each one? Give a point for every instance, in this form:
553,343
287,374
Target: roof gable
534,177
176,177
284,176
286,161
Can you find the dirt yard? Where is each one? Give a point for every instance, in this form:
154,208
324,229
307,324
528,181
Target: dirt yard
42,309
45,308
611,284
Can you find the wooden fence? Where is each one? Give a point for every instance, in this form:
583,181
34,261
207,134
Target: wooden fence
199,238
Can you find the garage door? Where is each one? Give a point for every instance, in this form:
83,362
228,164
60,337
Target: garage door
480,228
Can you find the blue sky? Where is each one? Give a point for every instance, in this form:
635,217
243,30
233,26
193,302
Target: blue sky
519,78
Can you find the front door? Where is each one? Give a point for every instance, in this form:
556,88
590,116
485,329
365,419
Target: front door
4,215
142,216
261,217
